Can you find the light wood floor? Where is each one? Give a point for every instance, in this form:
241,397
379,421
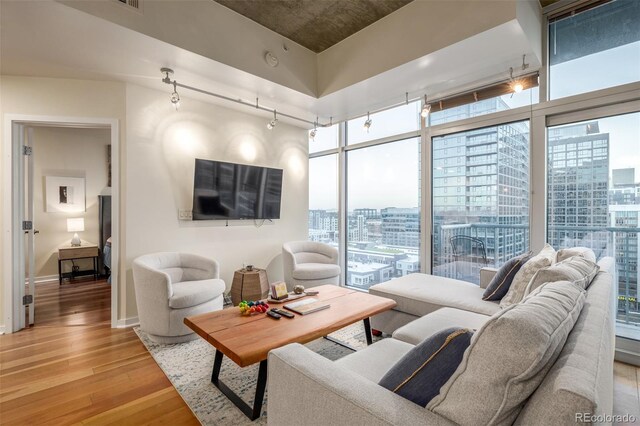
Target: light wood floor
60,374
84,374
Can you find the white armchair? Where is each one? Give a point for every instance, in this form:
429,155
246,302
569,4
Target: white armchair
172,286
310,264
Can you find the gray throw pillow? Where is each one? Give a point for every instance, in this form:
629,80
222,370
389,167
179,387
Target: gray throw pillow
502,280
421,372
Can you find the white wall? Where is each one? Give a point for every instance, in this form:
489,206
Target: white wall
73,153
162,145
158,147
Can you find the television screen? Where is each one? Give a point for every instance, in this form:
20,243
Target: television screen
235,191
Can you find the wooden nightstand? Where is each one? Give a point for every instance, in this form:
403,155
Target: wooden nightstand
70,253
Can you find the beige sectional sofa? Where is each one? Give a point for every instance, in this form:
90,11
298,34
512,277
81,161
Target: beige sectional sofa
346,391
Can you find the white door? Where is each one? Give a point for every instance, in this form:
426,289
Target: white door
28,227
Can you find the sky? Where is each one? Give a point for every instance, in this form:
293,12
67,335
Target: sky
388,175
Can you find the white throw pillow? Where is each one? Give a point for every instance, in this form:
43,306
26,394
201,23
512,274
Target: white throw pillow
566,253
509,357
576,269
520,282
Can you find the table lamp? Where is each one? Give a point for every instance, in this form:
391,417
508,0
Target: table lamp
75,225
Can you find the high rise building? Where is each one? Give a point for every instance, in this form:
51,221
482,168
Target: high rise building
624,189
578,184
367,213
624,212
480,190
626,251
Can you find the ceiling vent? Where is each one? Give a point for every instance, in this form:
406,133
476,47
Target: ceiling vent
133,4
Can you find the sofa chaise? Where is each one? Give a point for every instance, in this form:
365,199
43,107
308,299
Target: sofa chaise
347,392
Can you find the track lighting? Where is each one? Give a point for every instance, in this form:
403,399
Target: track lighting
516,85
175,97
314,132
272,123
426,108
367,124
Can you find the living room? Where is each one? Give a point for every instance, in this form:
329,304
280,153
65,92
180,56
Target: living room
425,138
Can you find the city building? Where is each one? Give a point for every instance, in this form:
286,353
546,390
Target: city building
626,248
480,191
578,186
401,227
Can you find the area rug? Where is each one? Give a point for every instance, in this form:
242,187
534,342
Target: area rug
188,366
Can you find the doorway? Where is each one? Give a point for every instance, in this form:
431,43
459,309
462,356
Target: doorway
64,220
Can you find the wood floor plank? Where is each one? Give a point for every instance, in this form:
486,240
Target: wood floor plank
59,372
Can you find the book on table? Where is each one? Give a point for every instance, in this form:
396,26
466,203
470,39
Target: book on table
306,306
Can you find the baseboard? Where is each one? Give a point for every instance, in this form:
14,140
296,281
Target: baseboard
127,322
2,329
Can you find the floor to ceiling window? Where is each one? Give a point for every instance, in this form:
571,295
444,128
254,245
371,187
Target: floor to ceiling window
323,199
594,48
383,204
593,198
480,199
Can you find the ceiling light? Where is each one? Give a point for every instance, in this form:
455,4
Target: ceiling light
175,97
272,123
517,85
367,124
426,108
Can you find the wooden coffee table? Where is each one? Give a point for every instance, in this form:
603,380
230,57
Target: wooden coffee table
247,340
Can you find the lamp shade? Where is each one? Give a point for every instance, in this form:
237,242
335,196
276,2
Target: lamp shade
75,224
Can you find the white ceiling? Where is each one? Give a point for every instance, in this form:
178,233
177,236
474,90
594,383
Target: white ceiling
49,39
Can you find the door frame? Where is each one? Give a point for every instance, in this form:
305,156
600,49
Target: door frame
14,318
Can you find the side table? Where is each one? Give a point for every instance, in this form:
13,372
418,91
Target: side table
249,285
71,253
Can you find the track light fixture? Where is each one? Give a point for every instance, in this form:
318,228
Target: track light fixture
272,123
516,85
175,97
426,108
367,124
314,132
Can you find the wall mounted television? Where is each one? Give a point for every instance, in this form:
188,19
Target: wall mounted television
228,191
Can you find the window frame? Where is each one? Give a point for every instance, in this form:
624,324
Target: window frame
610,101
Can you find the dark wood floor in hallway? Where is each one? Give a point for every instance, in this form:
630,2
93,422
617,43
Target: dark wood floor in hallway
78,302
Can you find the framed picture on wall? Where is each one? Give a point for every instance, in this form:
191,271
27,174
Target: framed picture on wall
64,194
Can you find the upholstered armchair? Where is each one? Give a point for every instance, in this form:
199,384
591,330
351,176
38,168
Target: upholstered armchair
310,264
172,286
